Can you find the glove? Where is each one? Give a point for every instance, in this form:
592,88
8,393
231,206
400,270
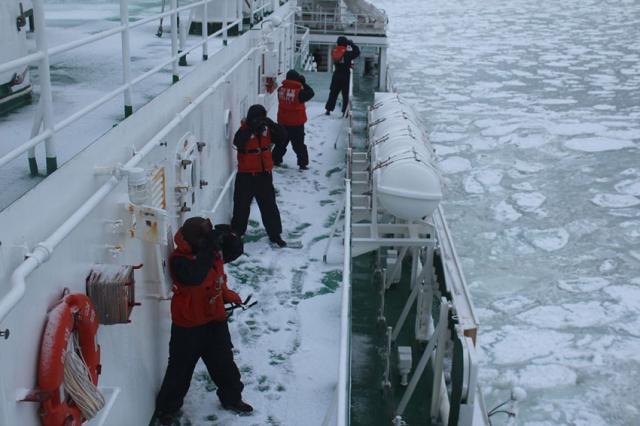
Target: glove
268,122
233,297
302,80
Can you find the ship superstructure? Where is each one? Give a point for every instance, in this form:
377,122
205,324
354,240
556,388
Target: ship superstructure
105,218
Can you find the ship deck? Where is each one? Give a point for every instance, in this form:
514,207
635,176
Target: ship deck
287,345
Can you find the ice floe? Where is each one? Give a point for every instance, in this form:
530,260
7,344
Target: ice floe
597,144
551,239
615,200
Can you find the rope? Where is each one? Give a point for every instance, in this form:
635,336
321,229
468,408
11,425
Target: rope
78,383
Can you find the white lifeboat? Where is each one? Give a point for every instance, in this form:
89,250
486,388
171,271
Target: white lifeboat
405,175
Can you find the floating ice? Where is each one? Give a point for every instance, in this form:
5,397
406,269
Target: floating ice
597,144
528,201
452,165
585,314
545,376
504,212
519,344
548,239
574,129
583,284
615,200
629,186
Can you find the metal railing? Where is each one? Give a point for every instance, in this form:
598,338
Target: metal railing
45,108
43,250
302,45
351,24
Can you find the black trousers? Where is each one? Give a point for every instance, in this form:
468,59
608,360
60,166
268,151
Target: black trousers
295,134
339,83
212,343
259,186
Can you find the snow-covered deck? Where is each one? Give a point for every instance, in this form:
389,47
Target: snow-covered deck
288,344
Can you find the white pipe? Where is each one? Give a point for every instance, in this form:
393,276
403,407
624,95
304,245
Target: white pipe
126,56
43,250
344,367
45,79
224,190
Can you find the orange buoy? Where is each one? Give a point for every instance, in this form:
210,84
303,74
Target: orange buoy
74,313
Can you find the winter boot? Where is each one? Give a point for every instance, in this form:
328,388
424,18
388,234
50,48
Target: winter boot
277,240
239,407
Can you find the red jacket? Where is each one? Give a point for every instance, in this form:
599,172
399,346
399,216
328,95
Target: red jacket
193,305
291,112
255,157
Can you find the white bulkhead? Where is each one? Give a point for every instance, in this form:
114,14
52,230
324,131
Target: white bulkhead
405,177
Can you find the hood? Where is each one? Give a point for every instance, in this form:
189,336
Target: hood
342,41
255,111
189,235
292,75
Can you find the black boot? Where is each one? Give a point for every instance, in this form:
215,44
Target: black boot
278,240
239,407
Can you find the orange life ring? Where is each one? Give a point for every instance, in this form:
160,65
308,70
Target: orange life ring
74,313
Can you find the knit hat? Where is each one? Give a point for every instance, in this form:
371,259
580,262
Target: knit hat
342,41
293,75
256,111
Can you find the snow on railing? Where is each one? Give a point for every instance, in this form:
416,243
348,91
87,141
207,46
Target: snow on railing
45,108
353,24
302,44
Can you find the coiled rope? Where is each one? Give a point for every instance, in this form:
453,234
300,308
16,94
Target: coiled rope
78,383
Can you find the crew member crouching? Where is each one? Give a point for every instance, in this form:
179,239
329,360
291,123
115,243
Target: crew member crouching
199,321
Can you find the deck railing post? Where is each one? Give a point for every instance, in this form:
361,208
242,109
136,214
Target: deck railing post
251,19
126,57
205,31
240,13
225,22
35,129
45,86
174,40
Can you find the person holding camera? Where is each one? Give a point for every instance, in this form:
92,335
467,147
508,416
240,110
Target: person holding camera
199,321
254,179
292,114
343,54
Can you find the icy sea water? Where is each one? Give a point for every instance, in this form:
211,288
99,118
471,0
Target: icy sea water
534,109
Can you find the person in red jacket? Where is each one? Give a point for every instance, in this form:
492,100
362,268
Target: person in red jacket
292,114
199,321
342,55
254,179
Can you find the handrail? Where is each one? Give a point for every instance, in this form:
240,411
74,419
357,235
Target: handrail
51,131
43,250
29,59
344,366
224,190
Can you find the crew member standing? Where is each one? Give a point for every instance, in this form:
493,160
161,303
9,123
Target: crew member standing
199,321
345,52
292,114
254,179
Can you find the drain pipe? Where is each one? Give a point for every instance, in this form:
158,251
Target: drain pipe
44,249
